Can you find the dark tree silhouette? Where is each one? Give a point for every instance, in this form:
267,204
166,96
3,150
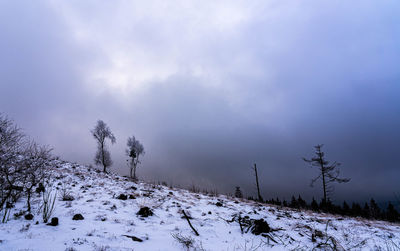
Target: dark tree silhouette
257,183
12,146
329,173
375,210
301,203
356,209
345,208
391,213
102,132
238,193
314,205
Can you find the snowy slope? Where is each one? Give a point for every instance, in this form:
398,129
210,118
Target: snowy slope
108,221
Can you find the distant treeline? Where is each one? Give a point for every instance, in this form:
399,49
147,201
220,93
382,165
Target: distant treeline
369,210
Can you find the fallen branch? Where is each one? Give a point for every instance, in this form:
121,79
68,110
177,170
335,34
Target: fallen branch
240,224
269,238
134,238
190,224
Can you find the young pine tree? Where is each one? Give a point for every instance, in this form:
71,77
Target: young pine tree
238,193
328,172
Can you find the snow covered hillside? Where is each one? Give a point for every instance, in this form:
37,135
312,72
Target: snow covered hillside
109,206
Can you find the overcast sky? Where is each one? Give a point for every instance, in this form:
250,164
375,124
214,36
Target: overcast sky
211,87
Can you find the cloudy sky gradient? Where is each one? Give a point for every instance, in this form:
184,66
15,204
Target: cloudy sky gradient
210,87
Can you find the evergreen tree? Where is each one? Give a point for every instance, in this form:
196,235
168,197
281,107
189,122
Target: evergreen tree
375,210
314,205
366,211
302,203
345,208
391,214
294,203
326,206
356,209
238,193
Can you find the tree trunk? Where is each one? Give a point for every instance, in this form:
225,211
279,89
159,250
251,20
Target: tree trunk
258,186
28,191
324,186
130,175
102,157
323,175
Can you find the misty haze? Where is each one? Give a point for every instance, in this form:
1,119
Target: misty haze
279,104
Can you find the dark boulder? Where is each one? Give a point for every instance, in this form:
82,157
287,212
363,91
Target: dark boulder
145,212
260,226
53,222
122,197
28,216
78,217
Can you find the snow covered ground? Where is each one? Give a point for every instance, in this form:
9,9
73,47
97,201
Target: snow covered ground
110,223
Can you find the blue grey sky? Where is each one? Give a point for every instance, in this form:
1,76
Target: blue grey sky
210,87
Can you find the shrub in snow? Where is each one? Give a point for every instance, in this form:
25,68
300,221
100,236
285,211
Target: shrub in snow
186,241
70,249
66,194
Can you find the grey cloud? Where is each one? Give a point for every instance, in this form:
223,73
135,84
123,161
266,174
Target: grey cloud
210,102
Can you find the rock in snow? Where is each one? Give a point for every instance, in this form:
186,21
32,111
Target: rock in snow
78,217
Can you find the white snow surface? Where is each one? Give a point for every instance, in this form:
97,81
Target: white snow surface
107,220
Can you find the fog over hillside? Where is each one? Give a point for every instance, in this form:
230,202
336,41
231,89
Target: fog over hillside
212,88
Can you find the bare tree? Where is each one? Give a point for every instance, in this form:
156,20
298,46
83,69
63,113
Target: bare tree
36,161
12,146
102,132
329,173
134,151
23,164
